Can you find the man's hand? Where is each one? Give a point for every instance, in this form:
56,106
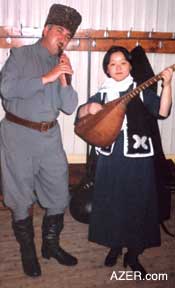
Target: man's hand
59,71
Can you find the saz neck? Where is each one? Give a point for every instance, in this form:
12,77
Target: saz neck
129,96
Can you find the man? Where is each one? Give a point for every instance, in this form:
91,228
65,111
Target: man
34,89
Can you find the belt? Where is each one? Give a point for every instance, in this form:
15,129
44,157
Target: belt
40,126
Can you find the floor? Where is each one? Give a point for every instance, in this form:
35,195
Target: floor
90,271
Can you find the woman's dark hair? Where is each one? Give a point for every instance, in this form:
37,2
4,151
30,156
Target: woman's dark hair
112,50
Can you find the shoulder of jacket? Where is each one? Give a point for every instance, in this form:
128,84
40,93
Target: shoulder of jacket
21,50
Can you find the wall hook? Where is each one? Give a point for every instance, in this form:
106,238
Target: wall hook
160,44
106,33
94,43
78,42
21,28
129,33
138,43
150,33
9,40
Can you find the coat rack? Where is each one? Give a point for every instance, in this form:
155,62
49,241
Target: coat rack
94,40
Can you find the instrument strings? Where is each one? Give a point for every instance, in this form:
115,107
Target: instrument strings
126,98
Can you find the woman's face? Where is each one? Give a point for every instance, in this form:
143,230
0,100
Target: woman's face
118,67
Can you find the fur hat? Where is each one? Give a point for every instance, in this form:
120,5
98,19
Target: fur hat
64,16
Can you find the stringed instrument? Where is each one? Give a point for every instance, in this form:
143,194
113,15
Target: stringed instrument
101,129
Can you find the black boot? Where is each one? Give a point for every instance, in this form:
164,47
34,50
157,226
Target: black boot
51,229
24,233
133,262
111,258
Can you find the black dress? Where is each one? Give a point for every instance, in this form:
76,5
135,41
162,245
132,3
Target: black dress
124,208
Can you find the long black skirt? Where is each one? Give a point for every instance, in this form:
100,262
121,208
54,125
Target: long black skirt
125,209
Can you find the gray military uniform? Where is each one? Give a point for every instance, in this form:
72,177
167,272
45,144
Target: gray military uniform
32,160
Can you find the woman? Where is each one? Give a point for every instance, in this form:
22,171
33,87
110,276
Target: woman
124,209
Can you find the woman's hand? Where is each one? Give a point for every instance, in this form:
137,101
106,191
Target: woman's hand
166,95
167,75
91,108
